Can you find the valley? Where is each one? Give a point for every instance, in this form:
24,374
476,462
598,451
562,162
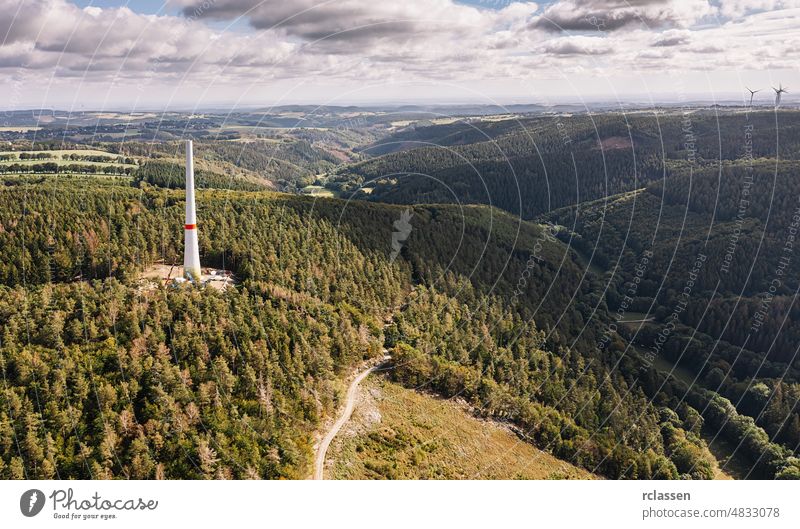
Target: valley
574,274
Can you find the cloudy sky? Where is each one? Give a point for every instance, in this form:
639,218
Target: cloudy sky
151,54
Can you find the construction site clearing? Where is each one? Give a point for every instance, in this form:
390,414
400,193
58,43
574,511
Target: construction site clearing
164,274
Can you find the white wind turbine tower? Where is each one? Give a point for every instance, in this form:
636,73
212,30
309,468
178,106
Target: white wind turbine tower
778,91
752,93
191,256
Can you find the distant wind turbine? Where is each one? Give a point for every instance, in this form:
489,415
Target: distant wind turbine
778,91
752,93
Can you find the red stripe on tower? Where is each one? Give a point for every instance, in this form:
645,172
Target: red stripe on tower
190,226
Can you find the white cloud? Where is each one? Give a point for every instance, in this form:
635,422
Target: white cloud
672,37
739,8
75,41
577,45
357,41
350,20
612,15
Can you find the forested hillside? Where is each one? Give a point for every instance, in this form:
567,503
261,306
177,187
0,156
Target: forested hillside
720,282
105,378
570,327
305,289
283,161
172,175
534,165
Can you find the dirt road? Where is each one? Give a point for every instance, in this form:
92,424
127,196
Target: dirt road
352,391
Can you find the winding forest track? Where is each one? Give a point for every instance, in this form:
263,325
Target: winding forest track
352,392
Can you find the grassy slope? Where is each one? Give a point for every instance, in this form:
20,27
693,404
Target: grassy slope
65,162
57,153
399,433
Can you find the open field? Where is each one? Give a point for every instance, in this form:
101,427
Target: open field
58,153
88,138
124,116
434,121
65,162
398,433
499,117
24,128
636,317
727,466
56,157
318,191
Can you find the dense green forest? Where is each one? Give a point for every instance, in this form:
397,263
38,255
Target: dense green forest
59,168
172,175
529,166
284,161
105,378
563,400
117,381
720,285
108,375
